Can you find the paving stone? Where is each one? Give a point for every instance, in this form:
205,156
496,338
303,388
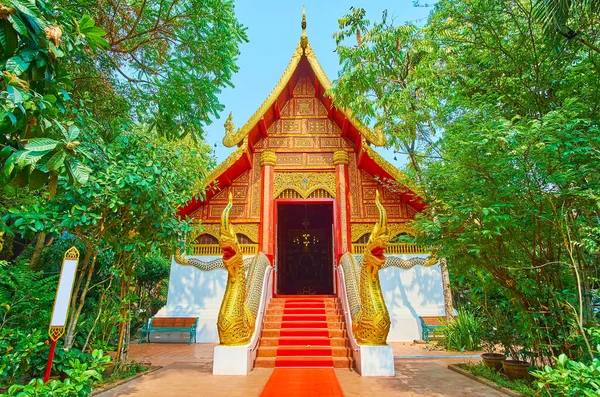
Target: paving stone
188,372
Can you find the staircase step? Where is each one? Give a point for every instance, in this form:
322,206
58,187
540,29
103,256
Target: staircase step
303,362
297,317
277,318
303,351
304,331
297,351
312,324
281,310
303,341
277,332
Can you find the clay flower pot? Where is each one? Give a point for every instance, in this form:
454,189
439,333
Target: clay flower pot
516,369
493,360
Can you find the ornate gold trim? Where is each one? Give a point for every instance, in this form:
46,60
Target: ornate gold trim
357,230
56,332
232,140
304,183
219,169
268,157
377,137
340,157
72,254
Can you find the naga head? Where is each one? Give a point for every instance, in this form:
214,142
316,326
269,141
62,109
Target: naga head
232,254
378,240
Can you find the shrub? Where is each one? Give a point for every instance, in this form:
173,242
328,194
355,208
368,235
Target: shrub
23,356
464,333
81,377
570,377
26,297
20,355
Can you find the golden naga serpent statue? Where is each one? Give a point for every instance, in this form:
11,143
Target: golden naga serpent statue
371,324
235,322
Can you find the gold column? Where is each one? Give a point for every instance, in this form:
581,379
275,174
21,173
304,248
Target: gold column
267,227
340,160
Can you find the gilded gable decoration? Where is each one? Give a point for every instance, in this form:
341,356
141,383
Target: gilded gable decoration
303,49
248,229
358,230
304,182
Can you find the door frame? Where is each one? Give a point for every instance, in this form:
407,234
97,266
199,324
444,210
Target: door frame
309,201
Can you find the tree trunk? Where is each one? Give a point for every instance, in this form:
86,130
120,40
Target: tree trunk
72,323
123,343
100,304
448,306
34,264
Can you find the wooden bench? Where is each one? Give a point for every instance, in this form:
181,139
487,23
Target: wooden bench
171,324
430,324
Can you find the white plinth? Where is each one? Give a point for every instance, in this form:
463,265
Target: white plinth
232,360
377,361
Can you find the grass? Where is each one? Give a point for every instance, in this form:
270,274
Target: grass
525,387
125,372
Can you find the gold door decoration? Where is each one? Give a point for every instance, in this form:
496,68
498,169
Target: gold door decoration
304,182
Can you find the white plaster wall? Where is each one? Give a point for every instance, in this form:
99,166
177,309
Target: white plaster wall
409,294
194,293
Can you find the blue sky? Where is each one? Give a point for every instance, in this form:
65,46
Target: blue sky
274,31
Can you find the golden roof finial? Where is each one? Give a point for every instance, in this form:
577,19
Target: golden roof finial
229,127
303,19
304,37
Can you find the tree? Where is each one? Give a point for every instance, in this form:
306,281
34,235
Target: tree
385,80
516,191
168,58
129,205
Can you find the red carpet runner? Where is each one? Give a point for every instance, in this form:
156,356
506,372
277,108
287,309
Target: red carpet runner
303,332
302,382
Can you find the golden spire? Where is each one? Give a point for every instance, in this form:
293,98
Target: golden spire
303,19
304,37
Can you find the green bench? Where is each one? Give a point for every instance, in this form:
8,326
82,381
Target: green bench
171,324
430,324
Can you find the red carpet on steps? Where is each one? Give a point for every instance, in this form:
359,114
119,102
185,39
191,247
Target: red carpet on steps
304,331
302,382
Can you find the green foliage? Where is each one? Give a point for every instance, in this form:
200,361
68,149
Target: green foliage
150,272
151,269
382,81
39,120
500,123
524,387
26,297
81,377
570,378
23,356
465,332
170,59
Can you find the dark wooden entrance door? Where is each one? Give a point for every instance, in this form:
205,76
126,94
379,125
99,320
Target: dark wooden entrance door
304,249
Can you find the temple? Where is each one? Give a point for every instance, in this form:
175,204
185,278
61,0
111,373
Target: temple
290,236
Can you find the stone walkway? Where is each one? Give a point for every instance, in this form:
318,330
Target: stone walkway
187,371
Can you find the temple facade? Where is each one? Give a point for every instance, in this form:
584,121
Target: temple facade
301,188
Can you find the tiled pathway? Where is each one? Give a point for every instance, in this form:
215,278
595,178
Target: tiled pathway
187,371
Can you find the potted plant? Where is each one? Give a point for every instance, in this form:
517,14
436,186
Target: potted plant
515,346
517,367
489,341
